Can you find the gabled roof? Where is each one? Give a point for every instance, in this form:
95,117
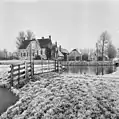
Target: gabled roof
74,53
44,42
24,44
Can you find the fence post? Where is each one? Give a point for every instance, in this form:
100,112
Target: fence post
55,65
18,73
12,68
33,68
60,66
48,66
26,72
42,65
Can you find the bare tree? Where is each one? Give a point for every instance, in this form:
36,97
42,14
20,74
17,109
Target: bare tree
103,43
20,39
29,35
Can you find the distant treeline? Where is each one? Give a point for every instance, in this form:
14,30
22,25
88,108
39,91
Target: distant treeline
5,55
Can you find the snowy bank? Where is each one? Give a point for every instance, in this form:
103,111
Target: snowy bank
87,63
54,96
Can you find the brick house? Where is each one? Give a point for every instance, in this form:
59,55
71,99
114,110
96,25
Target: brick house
37,46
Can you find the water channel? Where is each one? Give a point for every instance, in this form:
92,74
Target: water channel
7,98
92,70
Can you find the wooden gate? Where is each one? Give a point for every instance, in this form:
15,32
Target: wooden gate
21,73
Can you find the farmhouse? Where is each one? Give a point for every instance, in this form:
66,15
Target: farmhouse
74,55
35,47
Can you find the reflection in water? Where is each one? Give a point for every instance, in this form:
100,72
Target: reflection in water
7,98
94,70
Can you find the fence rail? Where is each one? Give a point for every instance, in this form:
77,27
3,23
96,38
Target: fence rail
20,72
23,72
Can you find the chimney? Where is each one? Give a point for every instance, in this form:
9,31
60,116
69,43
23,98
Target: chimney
42,37
49,36
56,43
60,48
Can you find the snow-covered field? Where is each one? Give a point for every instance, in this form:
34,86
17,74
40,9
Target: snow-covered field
55,96
4,71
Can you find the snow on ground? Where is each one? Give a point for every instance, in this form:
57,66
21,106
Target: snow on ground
4,69
55,96
4,74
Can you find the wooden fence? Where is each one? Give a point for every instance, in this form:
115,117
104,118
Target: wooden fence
47,66
20,73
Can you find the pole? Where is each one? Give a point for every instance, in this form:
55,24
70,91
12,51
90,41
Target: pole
26,72
42,63
97,50
12,68
48,65
30,52
18,74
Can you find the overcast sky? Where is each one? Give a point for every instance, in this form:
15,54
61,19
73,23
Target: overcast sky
72,23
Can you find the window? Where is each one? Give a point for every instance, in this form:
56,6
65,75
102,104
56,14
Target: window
33,53
27,54
21,54
24,54
41,51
